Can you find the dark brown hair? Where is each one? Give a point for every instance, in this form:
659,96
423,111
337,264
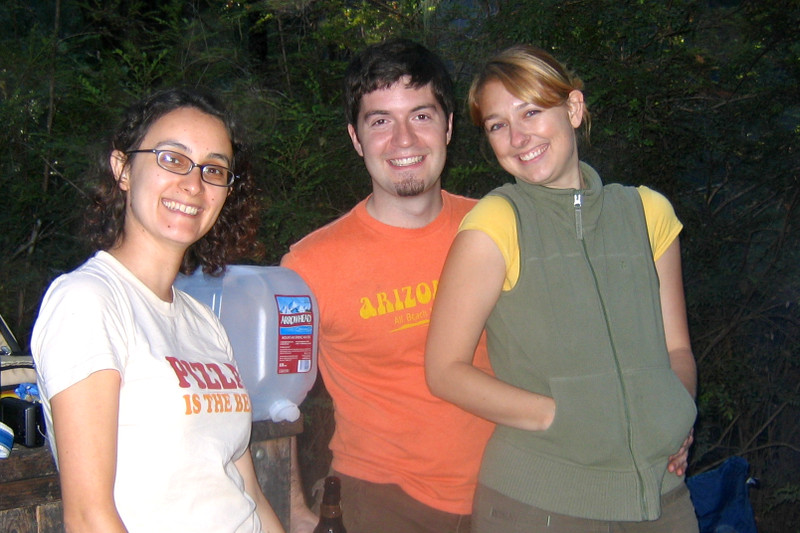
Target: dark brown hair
382,65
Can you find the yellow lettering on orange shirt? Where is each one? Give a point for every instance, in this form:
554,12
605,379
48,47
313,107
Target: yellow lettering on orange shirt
424,293
403,298
384,305
367,309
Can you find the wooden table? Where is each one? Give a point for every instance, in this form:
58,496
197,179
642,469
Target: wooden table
30,496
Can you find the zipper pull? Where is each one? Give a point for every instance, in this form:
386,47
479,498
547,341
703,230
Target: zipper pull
577,202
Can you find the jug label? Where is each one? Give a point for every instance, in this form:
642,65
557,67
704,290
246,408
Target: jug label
295,333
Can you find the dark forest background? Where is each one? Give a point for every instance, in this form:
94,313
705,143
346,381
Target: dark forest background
695,98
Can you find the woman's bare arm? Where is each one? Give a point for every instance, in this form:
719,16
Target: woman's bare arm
85,419
469,287
676,330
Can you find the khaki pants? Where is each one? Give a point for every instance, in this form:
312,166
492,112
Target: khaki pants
496,513
384,508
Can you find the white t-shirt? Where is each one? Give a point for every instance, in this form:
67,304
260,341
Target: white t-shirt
184,414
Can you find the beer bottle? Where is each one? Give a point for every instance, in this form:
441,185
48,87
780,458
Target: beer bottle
330,512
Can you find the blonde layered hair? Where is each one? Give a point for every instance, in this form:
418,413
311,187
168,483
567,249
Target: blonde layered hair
530,74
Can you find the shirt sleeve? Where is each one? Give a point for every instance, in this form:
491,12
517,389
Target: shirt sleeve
78,332
663,225
494,216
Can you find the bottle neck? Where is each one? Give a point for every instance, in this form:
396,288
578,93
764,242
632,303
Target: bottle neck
330,511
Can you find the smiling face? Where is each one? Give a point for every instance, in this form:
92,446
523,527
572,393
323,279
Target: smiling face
535,144
164,209
402,133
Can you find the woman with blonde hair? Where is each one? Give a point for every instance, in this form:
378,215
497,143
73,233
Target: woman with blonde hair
578,285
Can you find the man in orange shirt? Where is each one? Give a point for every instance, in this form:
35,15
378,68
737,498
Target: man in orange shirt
408,461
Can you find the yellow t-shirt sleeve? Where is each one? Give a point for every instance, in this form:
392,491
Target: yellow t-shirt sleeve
494,216
662,224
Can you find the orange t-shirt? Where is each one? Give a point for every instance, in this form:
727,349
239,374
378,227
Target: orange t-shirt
375,285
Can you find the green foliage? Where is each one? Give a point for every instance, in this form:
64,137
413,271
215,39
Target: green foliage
307,182
786,495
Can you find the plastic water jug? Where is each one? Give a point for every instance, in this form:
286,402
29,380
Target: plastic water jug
271,318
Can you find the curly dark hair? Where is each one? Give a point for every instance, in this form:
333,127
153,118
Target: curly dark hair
232,237
381,65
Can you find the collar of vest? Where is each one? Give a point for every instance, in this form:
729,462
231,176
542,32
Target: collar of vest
563,200
591,178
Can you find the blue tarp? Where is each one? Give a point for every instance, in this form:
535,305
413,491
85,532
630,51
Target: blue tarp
721,498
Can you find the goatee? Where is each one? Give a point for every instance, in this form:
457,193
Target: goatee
409,187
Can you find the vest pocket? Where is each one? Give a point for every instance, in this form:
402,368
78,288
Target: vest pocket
589,427
663,409
597,425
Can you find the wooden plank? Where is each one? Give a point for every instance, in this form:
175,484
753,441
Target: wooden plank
29,492
24,463
272,461
21,520
266,429
50,517
271,448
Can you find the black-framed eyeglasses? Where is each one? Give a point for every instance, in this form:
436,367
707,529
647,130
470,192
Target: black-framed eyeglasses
178,163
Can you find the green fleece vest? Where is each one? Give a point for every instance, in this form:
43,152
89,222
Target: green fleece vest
583,325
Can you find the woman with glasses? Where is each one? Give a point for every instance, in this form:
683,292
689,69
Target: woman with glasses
147,415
